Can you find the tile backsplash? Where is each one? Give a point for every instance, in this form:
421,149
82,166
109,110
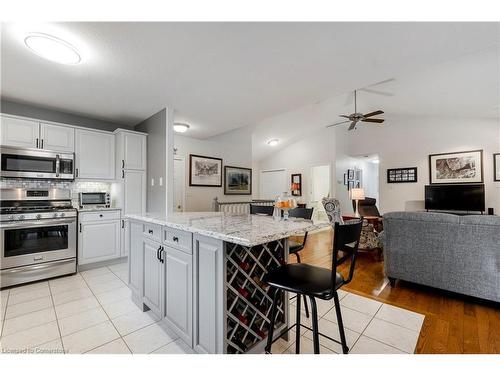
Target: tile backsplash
75,187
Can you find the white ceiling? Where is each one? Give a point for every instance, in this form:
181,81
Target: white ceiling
220,76
468,86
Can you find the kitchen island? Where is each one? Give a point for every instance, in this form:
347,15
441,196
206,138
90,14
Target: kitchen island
201,273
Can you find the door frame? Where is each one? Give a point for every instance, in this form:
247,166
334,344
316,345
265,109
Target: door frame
183,160
311,181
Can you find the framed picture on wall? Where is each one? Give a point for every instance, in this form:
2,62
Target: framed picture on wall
205,171
496,167
350,174
408,174
456,167
237,180
296,184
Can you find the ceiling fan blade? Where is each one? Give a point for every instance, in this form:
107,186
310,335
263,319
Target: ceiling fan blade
380,82
353,125
337,123
376,120
346,116
379,112
384,93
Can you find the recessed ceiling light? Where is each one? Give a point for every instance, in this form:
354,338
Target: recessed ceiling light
51,48
273,142
180,127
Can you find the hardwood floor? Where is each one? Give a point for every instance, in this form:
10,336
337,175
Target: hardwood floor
453,323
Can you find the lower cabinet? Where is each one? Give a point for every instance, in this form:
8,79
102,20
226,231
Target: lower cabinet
98,241
154,276
179,293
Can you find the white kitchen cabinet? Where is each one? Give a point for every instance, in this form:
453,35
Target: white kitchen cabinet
208,287
134,192
135,260
130,150
19,132
95,155
98,240
57,138
154,272
179,293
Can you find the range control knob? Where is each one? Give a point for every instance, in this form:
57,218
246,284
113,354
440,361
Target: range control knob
62,214
38,216
55,214
12,217
20,217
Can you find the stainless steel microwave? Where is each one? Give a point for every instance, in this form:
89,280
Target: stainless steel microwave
94,199
30,163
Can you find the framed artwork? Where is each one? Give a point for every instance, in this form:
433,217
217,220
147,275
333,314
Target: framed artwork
296,186
345,179
350,185
496,167
399,175
237,180
350,174
205,171
456,167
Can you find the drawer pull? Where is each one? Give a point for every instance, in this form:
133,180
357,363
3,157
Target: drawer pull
150,231
175,239
100,215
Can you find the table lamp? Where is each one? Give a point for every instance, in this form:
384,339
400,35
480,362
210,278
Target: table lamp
357,194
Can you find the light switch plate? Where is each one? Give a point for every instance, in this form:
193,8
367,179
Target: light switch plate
152,182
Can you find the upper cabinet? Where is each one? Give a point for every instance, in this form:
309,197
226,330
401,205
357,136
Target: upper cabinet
95,155
19,132
32,134
130,150
57,138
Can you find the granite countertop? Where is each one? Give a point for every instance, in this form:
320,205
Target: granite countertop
242,229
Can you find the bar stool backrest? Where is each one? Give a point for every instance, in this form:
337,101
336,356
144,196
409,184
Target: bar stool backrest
346,239
304,213
261,209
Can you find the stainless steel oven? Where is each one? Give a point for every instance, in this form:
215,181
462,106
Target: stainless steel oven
38,235
31,163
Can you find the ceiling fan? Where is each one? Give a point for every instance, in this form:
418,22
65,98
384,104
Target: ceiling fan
356,117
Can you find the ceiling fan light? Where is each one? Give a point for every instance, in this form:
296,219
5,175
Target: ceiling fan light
180,127
273,142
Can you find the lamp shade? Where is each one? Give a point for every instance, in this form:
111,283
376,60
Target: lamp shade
357,193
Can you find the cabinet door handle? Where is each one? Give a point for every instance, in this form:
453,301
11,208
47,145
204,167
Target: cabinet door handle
37,143
175,239
123,164
42,143
76,172
123,223
80,227
123,174
161,255
158,253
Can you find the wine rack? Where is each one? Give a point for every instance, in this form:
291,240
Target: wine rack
248,299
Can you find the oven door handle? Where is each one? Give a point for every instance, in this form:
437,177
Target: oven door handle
58,165
38,223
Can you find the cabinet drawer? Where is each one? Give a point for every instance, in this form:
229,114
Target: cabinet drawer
152,231
99,216
178,239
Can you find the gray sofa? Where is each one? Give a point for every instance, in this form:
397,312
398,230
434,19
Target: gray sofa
456,253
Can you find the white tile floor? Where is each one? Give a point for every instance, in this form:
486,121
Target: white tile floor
92,312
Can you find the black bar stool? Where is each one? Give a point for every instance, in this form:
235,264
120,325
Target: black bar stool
295,247
316,282
260,209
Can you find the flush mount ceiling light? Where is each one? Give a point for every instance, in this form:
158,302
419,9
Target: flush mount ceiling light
51,48
273,142
180,127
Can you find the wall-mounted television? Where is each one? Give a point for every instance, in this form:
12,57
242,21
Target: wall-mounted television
455,197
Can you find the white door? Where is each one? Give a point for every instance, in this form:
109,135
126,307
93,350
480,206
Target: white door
57,138
134,151
134,186
273,183
99,241
95,155
320,188
18,132
179,185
